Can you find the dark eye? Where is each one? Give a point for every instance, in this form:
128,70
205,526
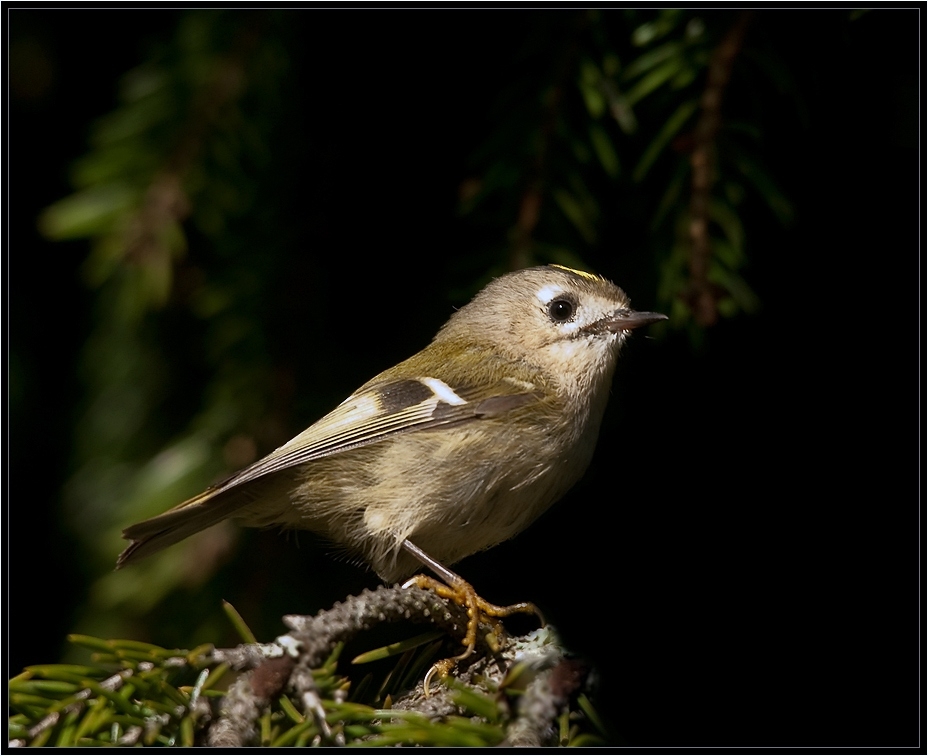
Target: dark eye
561,310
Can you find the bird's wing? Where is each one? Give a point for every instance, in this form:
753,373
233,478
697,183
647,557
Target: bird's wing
384,410
379,410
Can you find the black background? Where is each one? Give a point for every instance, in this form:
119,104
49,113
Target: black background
742,562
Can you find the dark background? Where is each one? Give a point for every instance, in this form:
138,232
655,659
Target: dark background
742,562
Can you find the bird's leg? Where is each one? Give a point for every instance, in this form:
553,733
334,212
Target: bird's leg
462,593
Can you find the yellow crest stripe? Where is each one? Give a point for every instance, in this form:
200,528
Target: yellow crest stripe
581,273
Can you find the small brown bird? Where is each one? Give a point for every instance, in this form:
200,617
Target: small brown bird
450,452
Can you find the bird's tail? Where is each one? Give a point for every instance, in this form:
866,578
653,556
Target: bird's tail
208,508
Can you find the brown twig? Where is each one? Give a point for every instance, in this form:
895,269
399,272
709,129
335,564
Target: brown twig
702,296
310,640
287,667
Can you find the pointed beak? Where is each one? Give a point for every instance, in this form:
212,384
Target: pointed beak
628,320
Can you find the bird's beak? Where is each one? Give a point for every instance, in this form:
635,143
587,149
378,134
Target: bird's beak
628,320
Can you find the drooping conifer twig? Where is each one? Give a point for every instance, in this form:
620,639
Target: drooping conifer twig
702,295
165,201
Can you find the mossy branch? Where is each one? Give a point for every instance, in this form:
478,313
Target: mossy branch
298,691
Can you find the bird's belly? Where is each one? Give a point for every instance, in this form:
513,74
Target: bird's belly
459,509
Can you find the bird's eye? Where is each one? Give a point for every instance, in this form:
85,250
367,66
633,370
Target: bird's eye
561,310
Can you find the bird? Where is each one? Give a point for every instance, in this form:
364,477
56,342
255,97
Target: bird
452,451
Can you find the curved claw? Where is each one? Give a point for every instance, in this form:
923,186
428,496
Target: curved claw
440,668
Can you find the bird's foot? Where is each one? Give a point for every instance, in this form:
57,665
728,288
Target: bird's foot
478,610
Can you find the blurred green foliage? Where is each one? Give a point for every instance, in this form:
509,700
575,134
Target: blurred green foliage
178,163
